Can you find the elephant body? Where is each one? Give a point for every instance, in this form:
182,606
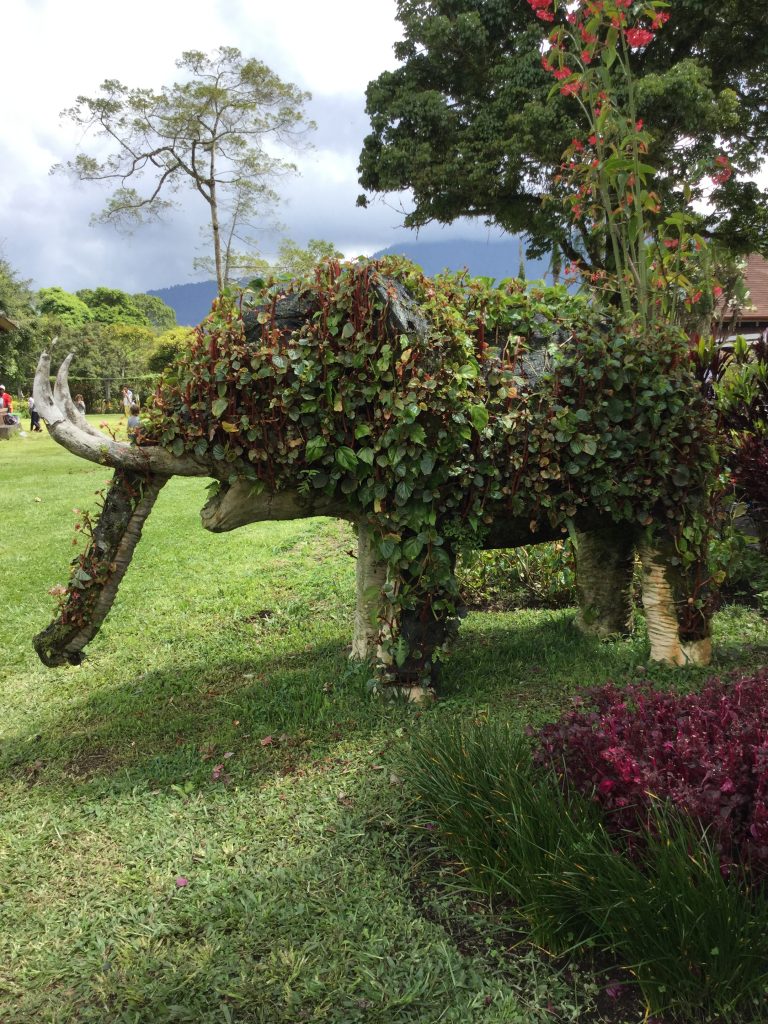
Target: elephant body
432,415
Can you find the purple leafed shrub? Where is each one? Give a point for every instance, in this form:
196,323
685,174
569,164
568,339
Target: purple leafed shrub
705,752
750,470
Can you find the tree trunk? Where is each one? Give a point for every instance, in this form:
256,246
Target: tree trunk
604,566
665,598
215,227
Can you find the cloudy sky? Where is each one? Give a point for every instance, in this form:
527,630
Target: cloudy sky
55,51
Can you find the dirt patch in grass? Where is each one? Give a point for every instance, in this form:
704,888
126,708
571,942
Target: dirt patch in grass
607,992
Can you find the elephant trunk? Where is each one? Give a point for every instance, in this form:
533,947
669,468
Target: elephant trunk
98,571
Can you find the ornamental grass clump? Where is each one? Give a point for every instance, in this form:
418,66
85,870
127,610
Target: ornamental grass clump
694,938
705,753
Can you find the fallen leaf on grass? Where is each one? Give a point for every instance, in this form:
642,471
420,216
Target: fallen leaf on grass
219,775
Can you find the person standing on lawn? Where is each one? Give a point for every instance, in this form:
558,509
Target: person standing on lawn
127,400
34,415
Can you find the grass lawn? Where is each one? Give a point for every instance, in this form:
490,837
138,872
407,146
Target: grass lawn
204,821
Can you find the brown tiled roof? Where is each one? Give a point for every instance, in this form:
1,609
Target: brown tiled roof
757,283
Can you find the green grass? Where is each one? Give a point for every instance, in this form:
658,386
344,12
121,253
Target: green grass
308,895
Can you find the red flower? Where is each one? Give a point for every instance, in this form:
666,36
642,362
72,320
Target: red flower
696,297
564,72
639,125
723,175
577,145
671,243
660,19
639,36
592,140
570,88
717,291
586,56
545,15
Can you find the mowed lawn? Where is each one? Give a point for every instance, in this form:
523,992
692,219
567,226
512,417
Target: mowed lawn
208,821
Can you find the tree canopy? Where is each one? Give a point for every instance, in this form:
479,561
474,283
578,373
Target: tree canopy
298,262
16,347
105,306
468,125
63,306
210,132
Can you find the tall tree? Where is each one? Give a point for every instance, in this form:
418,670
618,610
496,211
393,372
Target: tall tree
159,315
106,306
17,347
240,248
465,125
113,306
210,132
63,307
293,260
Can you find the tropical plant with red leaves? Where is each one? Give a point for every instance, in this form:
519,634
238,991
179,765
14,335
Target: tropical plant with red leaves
706,753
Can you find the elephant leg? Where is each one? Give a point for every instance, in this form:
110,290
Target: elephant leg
370,577
604,567
677,630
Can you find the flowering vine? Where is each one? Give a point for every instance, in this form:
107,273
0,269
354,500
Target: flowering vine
657,269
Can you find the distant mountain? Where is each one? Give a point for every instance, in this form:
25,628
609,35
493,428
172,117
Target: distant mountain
192,302
500,259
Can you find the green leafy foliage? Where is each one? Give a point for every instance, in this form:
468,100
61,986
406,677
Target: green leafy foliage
113,306
467,125
541,576
62,306
515,401
16,346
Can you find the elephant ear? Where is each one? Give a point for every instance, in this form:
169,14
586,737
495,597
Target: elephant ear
72,431
404,314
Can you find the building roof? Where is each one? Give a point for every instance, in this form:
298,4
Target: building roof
7,324
757,282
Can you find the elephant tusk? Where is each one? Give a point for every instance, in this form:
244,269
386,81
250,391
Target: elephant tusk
63,398
99,448
41,392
